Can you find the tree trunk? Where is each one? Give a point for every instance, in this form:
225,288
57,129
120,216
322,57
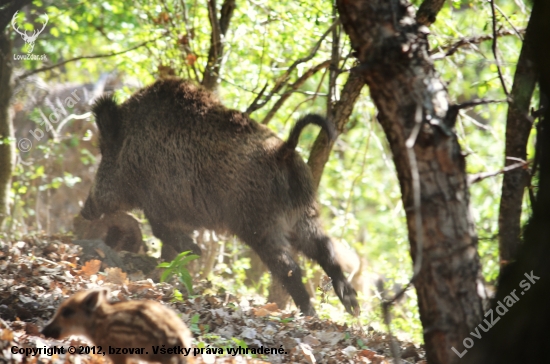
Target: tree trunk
219,29
7,152
518,128
412,103
522,332
339,115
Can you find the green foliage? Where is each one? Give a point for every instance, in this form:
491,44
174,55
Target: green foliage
178,267
194,324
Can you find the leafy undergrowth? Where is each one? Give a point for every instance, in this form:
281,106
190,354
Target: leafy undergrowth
39,272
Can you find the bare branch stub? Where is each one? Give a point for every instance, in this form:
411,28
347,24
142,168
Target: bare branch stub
453,47
452,112
428,10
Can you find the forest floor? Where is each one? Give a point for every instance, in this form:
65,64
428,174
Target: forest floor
38,272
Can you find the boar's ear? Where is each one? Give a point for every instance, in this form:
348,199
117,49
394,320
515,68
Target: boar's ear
107,116
94,298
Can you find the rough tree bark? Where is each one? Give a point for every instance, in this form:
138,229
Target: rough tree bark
518,128
219,29
412,103
7,152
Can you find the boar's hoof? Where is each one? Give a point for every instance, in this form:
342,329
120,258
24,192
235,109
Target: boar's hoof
309,311
348,296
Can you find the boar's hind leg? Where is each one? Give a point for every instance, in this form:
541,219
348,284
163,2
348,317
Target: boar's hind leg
316,245
273,250
174,241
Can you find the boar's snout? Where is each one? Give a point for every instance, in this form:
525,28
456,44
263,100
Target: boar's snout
51,331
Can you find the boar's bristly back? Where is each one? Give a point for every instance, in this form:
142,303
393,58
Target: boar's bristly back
294,135
107,116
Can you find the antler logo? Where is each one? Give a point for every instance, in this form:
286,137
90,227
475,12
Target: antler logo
29,39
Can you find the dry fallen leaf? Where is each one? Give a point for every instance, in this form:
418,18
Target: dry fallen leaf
260,312
6,335
91,267
369,354
116,276
271,306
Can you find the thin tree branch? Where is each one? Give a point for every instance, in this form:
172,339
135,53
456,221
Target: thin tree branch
417,204
283,80
105,55
452,112
509,22
334,62
495,49
478,177
456,45
293,88
258,97
477,102
311,96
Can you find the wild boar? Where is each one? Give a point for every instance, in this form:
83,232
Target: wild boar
124,330
188,162
120,231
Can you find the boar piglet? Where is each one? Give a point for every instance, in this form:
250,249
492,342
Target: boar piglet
188,162
121,327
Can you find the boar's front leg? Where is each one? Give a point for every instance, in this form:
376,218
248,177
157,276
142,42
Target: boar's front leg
273,249
174,240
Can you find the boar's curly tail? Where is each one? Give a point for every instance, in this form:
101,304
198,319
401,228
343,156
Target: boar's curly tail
294,135
106,112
